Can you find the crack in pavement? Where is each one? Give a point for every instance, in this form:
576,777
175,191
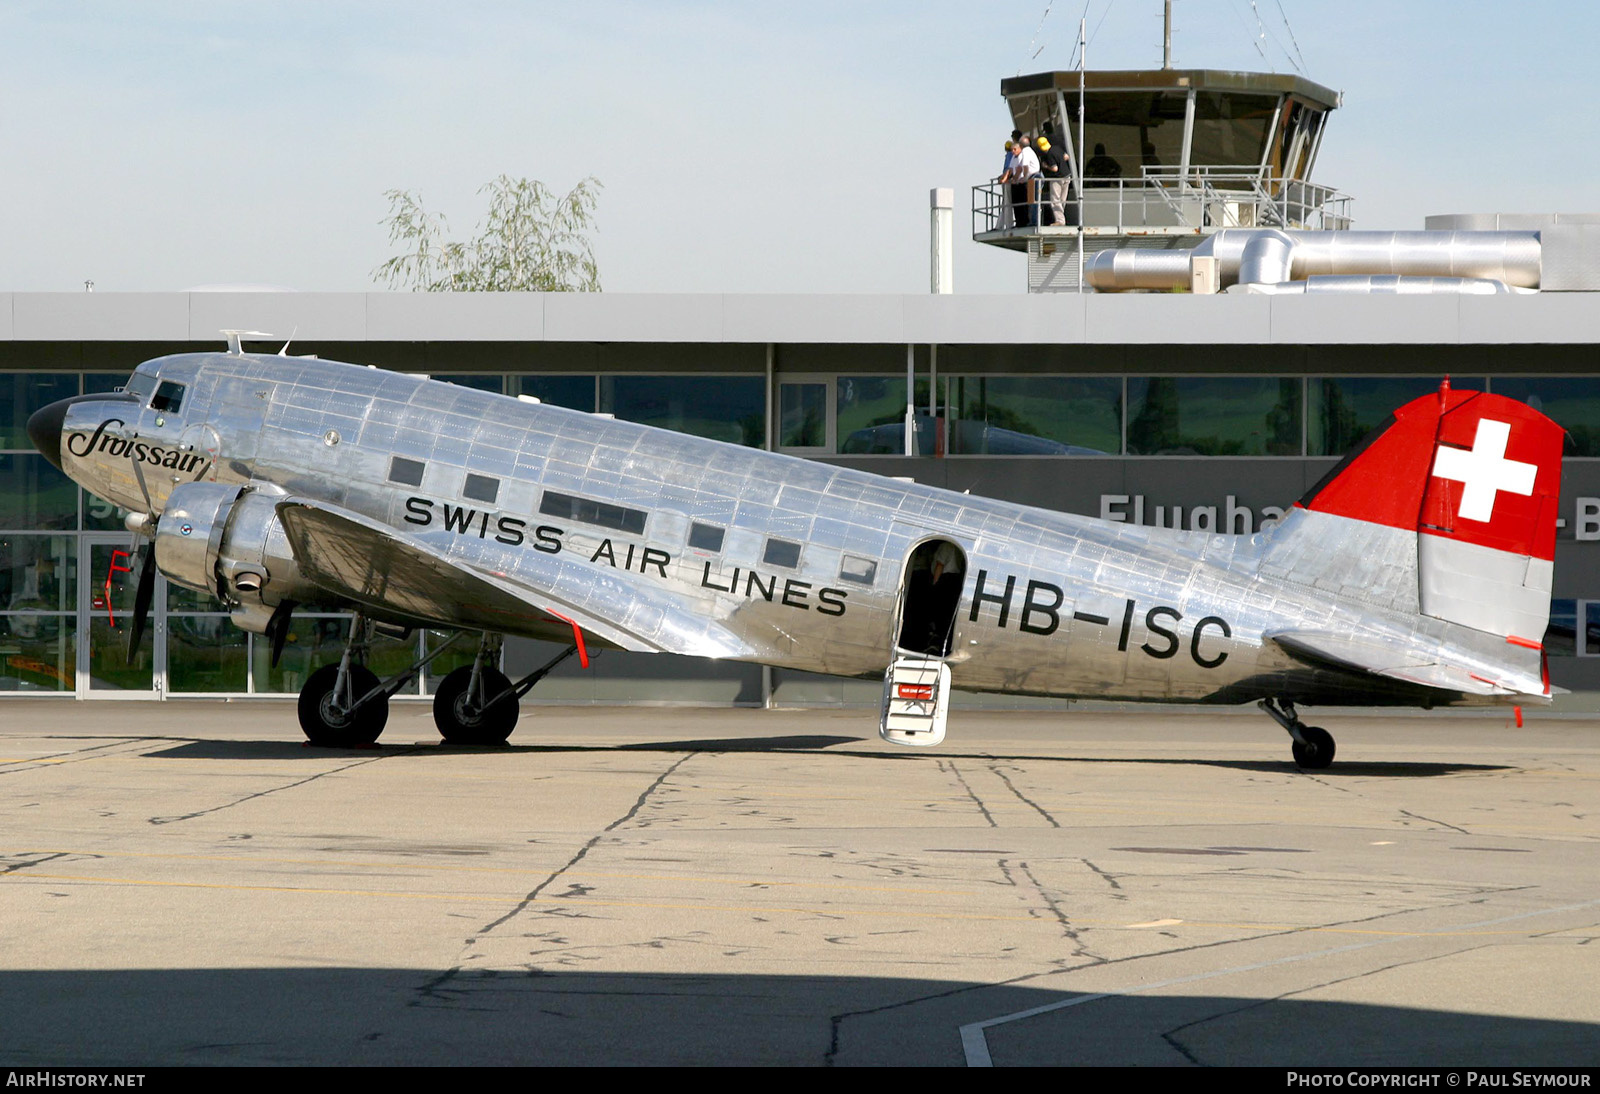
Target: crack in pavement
1109,878
950,767
1254,1004
56,759
1067,928
837,1021
1025,799
12,867
278,789
434,988
1430,820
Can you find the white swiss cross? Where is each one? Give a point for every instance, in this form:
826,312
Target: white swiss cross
1484,470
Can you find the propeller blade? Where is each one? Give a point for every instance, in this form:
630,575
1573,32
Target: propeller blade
278,629
142,597
138,473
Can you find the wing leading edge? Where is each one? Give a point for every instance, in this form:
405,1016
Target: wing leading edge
368,563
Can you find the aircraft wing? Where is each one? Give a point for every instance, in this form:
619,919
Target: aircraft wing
1409,665
369,563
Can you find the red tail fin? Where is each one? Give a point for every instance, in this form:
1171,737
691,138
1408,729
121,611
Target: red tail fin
1478,477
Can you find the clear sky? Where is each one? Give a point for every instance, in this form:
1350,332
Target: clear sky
743,147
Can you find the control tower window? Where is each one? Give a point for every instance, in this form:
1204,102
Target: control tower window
1230,130
168,397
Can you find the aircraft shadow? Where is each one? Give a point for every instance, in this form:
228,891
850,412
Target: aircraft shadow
807,743
408,1016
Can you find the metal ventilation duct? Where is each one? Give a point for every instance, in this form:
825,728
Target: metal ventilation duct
1268,260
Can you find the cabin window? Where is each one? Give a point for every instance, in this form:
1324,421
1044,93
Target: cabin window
862,571
168,397
405,472
781,552
481,488
590,511
705,537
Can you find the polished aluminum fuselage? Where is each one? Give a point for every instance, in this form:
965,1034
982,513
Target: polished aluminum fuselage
1052,604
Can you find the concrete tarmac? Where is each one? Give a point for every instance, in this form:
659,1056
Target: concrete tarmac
187,883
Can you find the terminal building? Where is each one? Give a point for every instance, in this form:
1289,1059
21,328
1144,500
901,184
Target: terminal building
1136,392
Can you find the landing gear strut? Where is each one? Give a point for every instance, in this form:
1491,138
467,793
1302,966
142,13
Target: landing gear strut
1313,746
345,705
477,704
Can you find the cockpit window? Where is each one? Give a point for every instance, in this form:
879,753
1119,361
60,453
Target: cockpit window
168,397
141,384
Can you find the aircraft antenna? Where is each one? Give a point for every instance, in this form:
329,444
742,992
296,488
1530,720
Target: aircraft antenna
1036,47
284,352
236,338
1292,40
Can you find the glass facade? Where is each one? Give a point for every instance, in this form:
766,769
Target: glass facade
66,577
723,408
870,415
1214,416
1034,415
1573,401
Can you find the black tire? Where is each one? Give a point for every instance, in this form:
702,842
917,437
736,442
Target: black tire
1317,752
326,727
461,725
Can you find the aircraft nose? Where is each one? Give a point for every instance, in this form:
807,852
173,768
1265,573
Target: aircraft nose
44,429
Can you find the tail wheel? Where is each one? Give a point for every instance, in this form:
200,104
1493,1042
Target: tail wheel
462,721
1316,752
327,723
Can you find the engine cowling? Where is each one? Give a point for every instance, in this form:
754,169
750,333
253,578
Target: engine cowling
227,541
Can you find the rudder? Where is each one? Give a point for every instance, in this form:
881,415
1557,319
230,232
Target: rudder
1477,478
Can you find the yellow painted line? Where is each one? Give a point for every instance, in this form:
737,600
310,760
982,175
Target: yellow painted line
1265,929
503,898
333,865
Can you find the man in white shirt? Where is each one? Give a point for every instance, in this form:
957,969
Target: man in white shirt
1027,173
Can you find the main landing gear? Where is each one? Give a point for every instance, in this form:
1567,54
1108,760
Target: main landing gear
1313,746
477,704
346,705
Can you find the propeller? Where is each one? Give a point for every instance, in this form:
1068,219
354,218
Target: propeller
278,628
143,594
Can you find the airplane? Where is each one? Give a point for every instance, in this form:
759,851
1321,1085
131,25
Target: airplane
1418,572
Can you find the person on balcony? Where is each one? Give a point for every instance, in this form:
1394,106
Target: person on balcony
1054,171
1004,178
1023,180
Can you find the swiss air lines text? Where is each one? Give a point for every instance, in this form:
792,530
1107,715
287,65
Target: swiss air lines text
513,531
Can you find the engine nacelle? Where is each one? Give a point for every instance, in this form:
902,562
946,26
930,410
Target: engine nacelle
227,541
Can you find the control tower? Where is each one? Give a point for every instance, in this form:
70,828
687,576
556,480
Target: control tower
1173,155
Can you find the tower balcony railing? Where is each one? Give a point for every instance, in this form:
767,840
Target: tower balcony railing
1161,201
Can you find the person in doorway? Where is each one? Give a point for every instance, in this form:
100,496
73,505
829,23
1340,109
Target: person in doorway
1101,168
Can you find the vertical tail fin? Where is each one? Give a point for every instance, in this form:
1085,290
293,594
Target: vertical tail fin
1477,478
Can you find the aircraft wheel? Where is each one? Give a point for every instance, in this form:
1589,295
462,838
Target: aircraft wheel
331,728
461,723
1317,752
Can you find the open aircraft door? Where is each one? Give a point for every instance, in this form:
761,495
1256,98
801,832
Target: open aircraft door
916,689
916,701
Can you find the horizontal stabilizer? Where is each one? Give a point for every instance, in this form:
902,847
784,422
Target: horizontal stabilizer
1410,666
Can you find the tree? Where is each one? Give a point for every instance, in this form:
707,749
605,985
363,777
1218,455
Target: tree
531,241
